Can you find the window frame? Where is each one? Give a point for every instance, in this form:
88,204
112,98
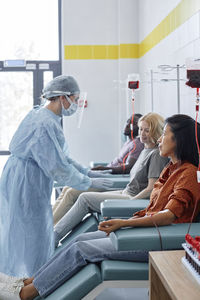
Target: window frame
54,66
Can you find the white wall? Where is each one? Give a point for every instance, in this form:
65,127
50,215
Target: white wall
94,22
114,22
174,49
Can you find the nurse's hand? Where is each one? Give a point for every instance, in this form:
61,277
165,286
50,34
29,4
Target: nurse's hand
96,174
101,183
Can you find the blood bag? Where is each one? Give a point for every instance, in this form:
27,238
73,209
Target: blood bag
193,73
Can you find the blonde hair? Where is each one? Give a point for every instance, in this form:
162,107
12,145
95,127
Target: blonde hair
156,124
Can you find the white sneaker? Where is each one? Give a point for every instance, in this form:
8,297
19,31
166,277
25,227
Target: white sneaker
10,279
10,291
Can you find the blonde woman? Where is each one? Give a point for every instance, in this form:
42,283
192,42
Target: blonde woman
144,173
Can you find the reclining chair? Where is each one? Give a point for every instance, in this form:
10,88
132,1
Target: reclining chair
93,278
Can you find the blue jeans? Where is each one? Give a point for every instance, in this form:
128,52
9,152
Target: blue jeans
86,203
87,248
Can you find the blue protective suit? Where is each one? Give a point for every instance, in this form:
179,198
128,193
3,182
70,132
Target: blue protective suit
39,156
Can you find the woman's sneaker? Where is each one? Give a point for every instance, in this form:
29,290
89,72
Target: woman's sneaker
10,291
10,279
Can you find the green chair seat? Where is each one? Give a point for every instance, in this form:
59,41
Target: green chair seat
124,270
79,285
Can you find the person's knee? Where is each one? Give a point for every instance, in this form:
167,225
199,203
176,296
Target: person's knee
64,190
80,251
82,248
83,199
73,193
75,252
89,201
71,196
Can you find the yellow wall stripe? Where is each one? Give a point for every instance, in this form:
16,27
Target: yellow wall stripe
183,11
91,52
102,51
129,51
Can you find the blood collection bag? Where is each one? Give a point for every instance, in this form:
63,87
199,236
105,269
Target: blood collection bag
133,81
193,73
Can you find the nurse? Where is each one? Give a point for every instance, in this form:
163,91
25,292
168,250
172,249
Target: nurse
39,156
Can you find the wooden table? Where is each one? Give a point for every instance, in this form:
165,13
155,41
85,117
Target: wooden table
169,278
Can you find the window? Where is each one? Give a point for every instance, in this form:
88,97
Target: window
29,29
30,55
16,99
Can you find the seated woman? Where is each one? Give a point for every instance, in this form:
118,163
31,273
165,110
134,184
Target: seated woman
174,199
130,152
118,165
144,173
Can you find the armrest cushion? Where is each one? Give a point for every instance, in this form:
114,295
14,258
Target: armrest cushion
147,238
117,208
119,182
94,164
125,176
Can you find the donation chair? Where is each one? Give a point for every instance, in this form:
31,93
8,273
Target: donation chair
94,278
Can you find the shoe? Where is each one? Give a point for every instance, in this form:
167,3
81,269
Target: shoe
10,279
10,291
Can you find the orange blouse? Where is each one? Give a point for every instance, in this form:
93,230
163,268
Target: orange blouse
176,189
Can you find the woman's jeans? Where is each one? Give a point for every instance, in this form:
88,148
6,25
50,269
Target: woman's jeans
86,248
86,203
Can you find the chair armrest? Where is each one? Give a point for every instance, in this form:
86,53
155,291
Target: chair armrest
125,177
120,208
119,182
147,238
94,164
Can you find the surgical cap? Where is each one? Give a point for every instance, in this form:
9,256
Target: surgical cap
61,85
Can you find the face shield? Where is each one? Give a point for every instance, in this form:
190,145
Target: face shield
82,104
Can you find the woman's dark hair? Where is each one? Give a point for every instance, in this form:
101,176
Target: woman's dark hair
183,128
135,124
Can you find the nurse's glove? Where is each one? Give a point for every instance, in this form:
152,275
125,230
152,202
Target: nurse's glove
95,174
101,183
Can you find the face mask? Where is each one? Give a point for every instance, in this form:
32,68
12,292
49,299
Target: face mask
71,110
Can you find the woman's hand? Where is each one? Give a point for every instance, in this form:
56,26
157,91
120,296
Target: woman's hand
111,225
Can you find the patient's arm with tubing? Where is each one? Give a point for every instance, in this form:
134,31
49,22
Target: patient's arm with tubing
164,217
